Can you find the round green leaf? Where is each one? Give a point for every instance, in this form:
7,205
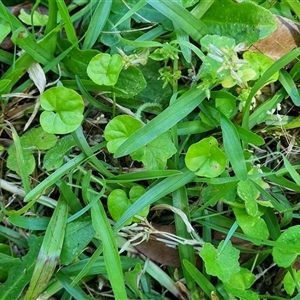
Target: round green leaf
63,110
118,203
205,158
118,130
104,69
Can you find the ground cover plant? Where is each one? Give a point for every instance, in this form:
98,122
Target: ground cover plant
149,149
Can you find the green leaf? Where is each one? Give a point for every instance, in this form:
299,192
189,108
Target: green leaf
226,106
76,60
210,192
242,280
78,235
119,129
242,294
12,161
155,154
156,192
233,148
118,203
207,287
289,85
175,12
221,262
248,192
17,278
245,22
205,158
38,138
163,122
284,257
4,31
110,251
260,63
104,69
289,283
53,158
221,42
132,280
101,12
130,83
252,226
38,18
50,251
34,139
63,110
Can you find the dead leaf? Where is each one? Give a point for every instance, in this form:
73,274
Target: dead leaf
284,39
158,251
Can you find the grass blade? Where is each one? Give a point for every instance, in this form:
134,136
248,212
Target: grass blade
49,252
233,148
279,64
289,85
174,11
161,189
70,30
164,121
97,23
110,250
59,173
201,280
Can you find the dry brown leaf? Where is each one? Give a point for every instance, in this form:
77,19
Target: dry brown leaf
284,39
158,251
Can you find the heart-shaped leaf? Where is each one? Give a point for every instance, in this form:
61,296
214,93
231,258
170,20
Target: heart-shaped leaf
118,130
63,110
205,158
104,69
118,203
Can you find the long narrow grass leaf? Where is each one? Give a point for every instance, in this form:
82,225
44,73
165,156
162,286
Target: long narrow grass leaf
160,190
65,16
110,250
289,85
175,12
163,122
75,291
201,280
233,148
49,252
279,64
96,24
131,12
59,173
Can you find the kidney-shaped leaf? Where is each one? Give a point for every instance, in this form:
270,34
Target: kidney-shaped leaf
104,69
205,158
118,130
118,203
63,110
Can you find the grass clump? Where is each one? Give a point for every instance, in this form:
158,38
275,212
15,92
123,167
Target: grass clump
148,152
